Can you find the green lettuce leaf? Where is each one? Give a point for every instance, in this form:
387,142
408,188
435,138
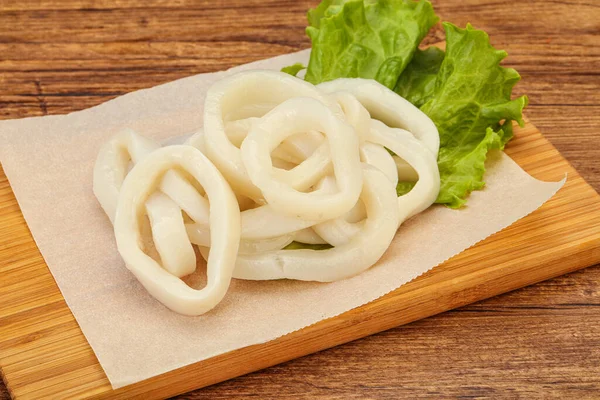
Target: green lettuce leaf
293,69
326,7
368,39
404,187
464,90
472,108
469,161
417,82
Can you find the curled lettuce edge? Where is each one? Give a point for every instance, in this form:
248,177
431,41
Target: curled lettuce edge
464,90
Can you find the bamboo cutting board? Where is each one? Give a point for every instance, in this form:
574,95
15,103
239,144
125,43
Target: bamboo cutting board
44,354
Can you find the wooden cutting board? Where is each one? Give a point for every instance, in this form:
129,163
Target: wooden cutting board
44,354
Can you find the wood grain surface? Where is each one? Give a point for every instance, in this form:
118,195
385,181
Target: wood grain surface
58,56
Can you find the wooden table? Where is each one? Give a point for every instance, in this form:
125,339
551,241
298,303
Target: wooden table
58,56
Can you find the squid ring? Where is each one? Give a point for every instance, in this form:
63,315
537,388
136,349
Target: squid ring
228,100
295,116
112,163
224,220
413,152
358,254
385,105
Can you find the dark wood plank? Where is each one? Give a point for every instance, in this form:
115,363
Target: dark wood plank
61,56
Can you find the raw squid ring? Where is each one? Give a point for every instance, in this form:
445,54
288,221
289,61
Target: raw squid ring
112,163
196,140
305,154
265,222
309,171
386,106
248,246
170,236
315,160
164,212
301,146
308,236
295,116
413,152
379,157
338,231
354,112
224,221
339,262
165,217
228,100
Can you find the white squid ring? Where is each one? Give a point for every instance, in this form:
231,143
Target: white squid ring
224,221
227,100
362,251
111,166
168,229
295,116
385,105
413,152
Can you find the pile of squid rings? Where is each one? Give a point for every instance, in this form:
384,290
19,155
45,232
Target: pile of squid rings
278,160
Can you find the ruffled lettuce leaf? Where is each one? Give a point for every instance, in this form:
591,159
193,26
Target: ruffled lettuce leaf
325,8
472,108
417,82
367,39
462,168
464,90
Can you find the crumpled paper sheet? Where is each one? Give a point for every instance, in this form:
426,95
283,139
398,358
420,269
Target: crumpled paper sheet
49,162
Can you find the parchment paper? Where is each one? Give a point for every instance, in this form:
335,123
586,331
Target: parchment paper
49,162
